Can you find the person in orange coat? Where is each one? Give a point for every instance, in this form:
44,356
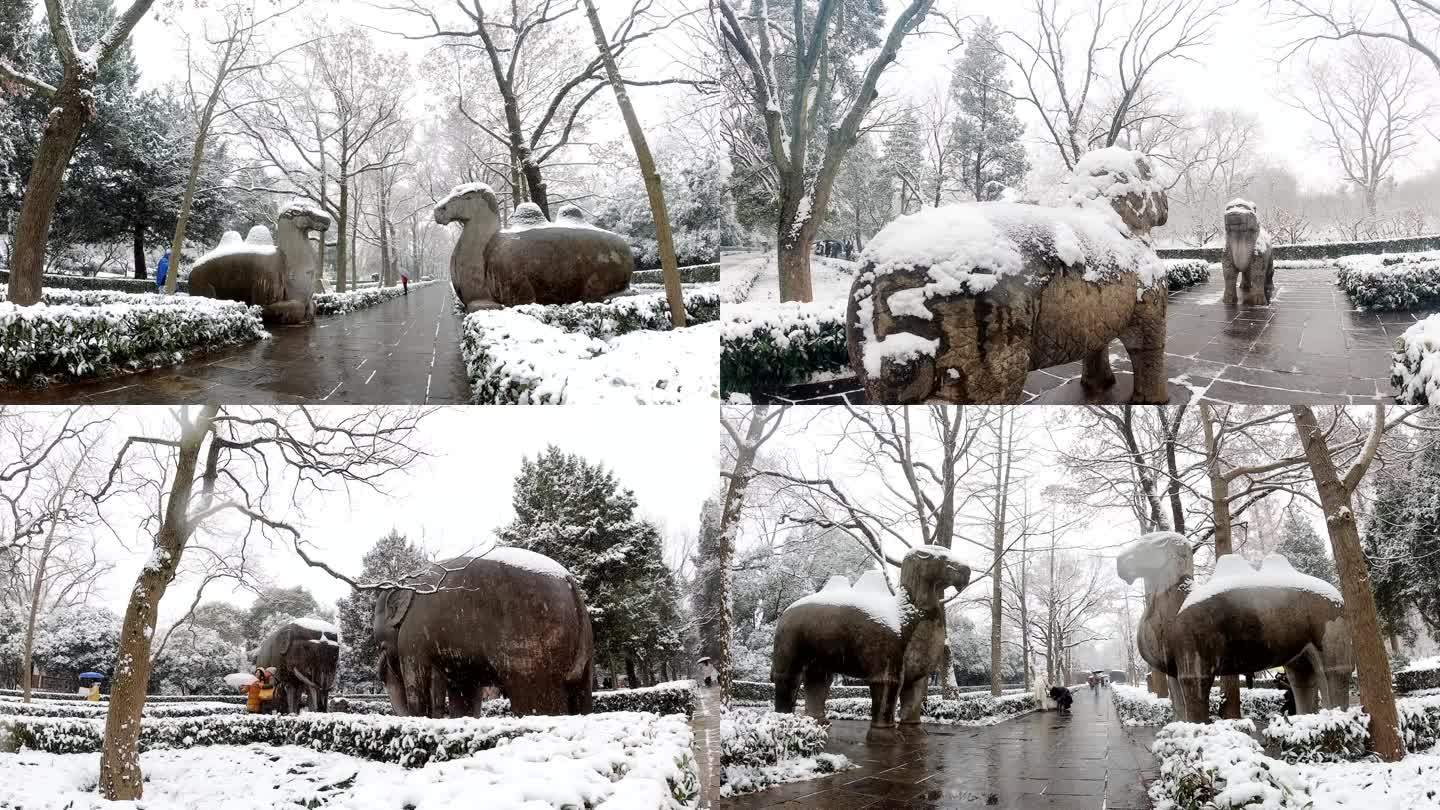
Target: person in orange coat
259,692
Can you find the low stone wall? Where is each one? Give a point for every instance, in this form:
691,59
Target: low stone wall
1315,250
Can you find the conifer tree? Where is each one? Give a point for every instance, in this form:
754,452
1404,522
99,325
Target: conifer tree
986,133
1302,546
392,557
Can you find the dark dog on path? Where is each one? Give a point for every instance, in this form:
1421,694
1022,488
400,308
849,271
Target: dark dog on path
1062,698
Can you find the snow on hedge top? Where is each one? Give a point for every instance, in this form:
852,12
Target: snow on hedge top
880,607
528,560
1233,573
969,247
318,625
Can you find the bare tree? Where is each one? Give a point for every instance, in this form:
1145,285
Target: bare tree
1412,23
1090,82
72,106
212,465
803,191
1213,163
1366,106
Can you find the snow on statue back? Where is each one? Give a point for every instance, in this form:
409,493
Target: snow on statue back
1240,621
959,303
893,642
258,272
531,262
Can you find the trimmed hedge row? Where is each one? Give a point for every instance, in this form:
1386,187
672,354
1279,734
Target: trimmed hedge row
339,303
1343,735
762,748
93,710
764,693
1391,283
1137,707
674,697
693,274
83,341
224,698
130,285
1413,680
767,347
1315,250
1182,273
410,742
965,710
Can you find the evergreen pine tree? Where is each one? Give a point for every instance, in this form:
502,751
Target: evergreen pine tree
986,134
390,558
903,160
710,592
1423,534
1386,545
1301,545
577,514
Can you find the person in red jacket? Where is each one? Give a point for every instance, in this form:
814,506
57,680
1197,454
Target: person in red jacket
405,282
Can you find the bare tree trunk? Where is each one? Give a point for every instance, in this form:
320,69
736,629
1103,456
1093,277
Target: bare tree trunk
1220,501
74,107
997,537
138,243
341,232
187,201
120,777
27,664
1377,694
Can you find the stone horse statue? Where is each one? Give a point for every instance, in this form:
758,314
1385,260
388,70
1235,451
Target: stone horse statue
958,303
532,262
1247,258
1240,621
892,641
279,278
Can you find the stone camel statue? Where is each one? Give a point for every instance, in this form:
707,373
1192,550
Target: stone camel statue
534,261
893,642
958,303
280,279
1241,620
1248,257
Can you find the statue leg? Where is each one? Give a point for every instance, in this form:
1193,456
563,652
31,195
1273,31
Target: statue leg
1144,342
785,686
1194,697
1177,705
882,712
1304,682
1230,281
439,684
460,697
817,691
1269,279
394,685
416,675
912,702
1097,374
1252,288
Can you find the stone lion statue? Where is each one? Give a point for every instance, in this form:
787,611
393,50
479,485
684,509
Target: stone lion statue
1247,257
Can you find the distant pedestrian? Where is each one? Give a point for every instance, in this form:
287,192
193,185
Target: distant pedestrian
405,282
161,269
849,249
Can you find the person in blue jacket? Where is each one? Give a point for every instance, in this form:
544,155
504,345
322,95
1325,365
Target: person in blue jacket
160,270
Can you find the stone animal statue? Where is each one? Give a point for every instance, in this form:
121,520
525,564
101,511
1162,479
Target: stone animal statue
1240,621
893,642
279,278
512,619
533,262
1247,257
306,656
959,303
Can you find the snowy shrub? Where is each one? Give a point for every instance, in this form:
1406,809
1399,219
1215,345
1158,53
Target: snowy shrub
1415,369
1419,721
764,693
966,710
339,303
1137,707
1403,281
1422,674
86,340
72,709
764,347
128,285
674,697
1182,273
1316,251
693,274
761,748
1329,735
1219,765
618,350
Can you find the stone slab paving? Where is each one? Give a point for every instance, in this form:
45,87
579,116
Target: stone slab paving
1310,346
406,350
706,725
1083,761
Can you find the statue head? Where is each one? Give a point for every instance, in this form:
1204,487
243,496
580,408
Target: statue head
1242,231
528,215
305,217
928,570
1124,179
471,202
1161,558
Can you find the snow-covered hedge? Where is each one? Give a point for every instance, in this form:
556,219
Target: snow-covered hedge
1314,251
1402,281
1137,707
1415,368
1219,765
129,285
1329,735
738,277
672,697
12,706
224,698
692,274
619,350
762,748
764,347
1182,273
1423,674
966,710
764,693
86,340
339,303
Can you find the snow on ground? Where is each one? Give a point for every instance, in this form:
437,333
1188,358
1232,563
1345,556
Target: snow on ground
1410,783
829,278
621,760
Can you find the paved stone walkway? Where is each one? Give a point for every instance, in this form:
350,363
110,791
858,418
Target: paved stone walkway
1311,346
405,350
1084,761
706,725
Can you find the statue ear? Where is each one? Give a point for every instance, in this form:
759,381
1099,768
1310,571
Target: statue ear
397,604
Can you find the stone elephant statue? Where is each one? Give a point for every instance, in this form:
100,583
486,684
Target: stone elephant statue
959,303
891,641
278,277
534,261
511,618
1239,621
306,655
1248,259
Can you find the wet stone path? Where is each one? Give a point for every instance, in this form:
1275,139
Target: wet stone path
1084,761
1310,346
406,350
706,725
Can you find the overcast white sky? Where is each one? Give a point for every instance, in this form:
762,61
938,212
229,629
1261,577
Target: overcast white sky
455,500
